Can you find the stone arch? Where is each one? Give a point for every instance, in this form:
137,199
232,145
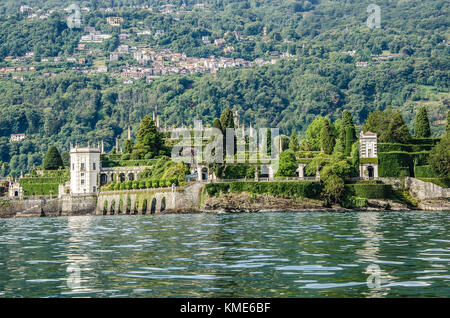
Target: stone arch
370,172
204,173
103,179
105,207
128,204
121,177
153,206
163,204
144,206
131,176
136,207
112,209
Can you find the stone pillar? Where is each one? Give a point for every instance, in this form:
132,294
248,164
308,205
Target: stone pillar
199,173
317,173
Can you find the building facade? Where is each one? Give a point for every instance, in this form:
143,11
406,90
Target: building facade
84,170
368,154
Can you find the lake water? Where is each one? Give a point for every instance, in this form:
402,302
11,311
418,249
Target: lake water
384,254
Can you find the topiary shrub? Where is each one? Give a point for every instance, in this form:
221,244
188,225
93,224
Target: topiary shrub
369,191
395,164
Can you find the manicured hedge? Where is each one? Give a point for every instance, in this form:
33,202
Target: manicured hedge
395,164
40,180
239,171
424,141
140,184
389,147
400,164
369,191
40,188
294,189
368,160
424,172
108,163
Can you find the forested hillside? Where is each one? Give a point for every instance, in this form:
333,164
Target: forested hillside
408,64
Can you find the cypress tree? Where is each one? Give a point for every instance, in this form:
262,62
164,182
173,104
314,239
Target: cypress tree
422,124
149,140
226,119
397,130
128,146
53,160
293,141
217,124
327,137
350,138
344,140
347,119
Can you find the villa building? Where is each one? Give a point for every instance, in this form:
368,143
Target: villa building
368,167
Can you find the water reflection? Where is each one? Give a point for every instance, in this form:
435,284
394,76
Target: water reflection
368,224
228,255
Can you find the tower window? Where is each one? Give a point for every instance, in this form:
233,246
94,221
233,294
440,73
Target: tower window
93,167
82,182
82,167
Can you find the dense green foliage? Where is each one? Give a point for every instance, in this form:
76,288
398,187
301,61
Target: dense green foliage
149,141
319,80
41,185
297,189
327,137
239,171
287,165
333,189
164,168
422,124
369,191
395,164
53,160
440,157
425,171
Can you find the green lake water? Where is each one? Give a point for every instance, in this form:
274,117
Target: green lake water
355,254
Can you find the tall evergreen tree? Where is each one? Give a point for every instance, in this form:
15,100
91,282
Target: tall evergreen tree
217,124
440,157
350,138
422,124
227,119
397,131
293,142
128,146
327,137
347,119
149,140
53,160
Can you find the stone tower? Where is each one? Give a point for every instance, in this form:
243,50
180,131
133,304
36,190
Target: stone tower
368,155
84,170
